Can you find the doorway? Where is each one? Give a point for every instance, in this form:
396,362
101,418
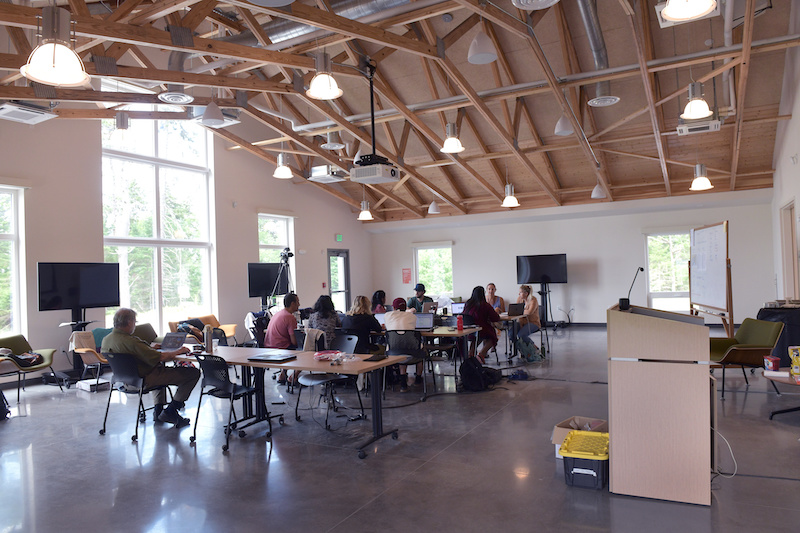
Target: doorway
339,278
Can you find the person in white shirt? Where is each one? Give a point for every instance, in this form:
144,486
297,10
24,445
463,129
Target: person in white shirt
399,319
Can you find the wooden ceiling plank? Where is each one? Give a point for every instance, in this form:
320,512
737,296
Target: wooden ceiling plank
460,30
401,149
19,40
744,71
160,9
432,153
198,13
123,11
253,25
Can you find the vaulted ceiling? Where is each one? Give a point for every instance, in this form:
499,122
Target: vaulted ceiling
255,61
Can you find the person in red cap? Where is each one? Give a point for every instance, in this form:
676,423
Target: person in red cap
401,320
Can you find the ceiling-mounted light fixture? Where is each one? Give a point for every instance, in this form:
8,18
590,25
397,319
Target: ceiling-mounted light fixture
533,5
697,107
433,209
452,145
700,181
684,10
123,120
282,171
334,142
365,213
54,62
481,50
564,126
323,86
212,116
598,193
510,200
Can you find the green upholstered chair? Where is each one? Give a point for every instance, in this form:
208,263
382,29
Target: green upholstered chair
753,340
145,332
18,345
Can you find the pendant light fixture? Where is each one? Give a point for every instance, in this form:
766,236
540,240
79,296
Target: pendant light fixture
564,127
123,120
333,142
598,193
685,10
54,62
433,209
697,107
510,200
365,213
452,144
282,171
212,116
481,50
323,86
700,181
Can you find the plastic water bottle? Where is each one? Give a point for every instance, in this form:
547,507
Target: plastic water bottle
460,323
208,339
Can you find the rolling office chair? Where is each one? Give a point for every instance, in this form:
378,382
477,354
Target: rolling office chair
409,344
126,373
345,344
215,375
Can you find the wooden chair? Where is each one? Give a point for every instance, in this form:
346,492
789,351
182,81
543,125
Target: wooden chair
753,340
18,345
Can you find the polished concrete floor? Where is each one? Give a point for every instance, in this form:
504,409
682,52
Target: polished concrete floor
463,462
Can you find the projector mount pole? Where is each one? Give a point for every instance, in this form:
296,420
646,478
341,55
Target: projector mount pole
373,158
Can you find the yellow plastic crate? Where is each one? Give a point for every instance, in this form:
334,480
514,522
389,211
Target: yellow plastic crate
585,445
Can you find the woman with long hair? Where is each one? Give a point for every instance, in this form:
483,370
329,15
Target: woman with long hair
495,301
484,315
379,302
361,322
531,312
325,318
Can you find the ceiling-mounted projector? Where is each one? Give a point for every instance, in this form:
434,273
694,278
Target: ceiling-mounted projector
326,174
375,174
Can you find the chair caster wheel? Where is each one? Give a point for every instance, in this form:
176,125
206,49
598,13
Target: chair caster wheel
192,438
102,431
297,418
242,433
362,454
134,438
224,448
395,435
281,421
269,434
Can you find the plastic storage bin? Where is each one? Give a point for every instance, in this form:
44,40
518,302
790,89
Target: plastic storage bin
585,459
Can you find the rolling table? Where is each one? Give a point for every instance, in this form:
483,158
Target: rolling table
786,380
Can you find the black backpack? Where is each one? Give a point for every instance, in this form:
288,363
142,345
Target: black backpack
472,375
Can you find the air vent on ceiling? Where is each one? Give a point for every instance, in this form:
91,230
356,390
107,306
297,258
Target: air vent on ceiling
326,174
690,127
26,114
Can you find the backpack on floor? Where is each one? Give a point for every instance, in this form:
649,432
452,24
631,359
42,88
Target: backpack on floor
472,375
492,376
527,350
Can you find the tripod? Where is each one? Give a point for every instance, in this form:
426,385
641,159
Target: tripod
267,303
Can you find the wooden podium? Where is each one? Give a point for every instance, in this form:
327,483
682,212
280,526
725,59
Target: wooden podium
660,400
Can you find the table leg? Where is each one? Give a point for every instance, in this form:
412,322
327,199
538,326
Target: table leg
780,412
377,413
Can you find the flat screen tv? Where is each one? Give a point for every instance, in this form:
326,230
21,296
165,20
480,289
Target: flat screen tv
550,268
261,280
78,286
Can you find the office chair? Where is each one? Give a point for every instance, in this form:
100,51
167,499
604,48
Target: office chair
215,375
126,373
753,340
345,344
409,344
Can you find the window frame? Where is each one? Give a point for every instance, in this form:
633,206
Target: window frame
17,240
434,245
652,295
289,220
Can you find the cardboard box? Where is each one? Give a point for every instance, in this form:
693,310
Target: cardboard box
584,423
92,385
771,362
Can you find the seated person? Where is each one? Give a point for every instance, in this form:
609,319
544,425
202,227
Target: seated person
416,302
325,318
495,301
531,313
150,363
280,331
401,319
484,315
361,322
379,302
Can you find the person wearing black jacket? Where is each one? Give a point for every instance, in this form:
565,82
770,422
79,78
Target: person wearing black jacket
360,322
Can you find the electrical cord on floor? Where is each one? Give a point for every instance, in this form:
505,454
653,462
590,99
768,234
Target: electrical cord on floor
735,464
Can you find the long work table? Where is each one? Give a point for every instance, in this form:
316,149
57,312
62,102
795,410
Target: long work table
253,375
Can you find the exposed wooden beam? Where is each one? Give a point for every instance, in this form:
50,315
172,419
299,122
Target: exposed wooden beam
744,71
198,14
158,10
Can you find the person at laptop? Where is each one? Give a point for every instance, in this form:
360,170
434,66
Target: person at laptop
416,302
403,319
531,313
379,302
280,331
150,362
325,318
485,316
495,301
361,322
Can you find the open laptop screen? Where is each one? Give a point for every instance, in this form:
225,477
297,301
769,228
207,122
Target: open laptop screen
424,321
458,307
381,318
173,341
430,307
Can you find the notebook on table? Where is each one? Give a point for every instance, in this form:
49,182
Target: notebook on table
457,307
172,341
516,309
424,322
272,357
430,307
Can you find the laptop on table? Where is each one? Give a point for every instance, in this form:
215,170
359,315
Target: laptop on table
276,356
516,309
172,341
424,322
457,307
430,307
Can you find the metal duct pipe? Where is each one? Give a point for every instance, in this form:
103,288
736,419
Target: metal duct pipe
594,33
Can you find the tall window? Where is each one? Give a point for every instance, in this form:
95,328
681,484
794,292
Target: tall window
10,312
434,266
156,205
668,271
274,234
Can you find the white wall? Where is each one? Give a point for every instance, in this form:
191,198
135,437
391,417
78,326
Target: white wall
604,246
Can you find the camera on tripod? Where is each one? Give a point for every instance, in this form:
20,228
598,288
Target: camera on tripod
286,254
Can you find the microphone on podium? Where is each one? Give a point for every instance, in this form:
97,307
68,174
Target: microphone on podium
625,303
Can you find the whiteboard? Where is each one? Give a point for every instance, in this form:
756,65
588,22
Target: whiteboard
708,277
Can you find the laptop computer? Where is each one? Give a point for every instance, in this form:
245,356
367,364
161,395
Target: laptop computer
172,341
272,357
430,307
457,307
516,309
424,322
388,307
381,318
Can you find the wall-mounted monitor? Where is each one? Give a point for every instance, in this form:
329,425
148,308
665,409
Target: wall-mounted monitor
550,268
261,279
78,286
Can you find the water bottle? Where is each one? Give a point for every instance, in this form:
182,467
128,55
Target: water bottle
208,339
460,323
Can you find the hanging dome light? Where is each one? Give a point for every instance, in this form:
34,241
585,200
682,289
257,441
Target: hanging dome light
452,145
564,127
323,86
598,193
333,142
212,116
282,171
54,62
365,213
481,50
700,181
510,200
433,209
697,107
685,10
